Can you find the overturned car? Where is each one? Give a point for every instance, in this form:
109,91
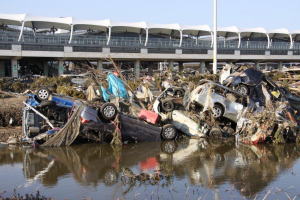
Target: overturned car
55,120
169,105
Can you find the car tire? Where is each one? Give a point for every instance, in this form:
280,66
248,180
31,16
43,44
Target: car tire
108,111
110,177
43,94
168,147
217,111
243,89
169,132
215,132
205,128
179,93
167,105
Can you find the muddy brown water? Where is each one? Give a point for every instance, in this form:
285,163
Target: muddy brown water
189,169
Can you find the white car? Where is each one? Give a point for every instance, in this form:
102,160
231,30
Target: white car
223,101
177,117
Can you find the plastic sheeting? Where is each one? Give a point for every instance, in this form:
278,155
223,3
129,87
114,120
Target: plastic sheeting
67,135
116,88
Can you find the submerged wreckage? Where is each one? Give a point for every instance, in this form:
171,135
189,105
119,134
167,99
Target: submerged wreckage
246,105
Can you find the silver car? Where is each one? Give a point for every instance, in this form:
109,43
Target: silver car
223,101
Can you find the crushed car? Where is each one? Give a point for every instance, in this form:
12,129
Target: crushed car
271,113
223,101
169,105
55,120
49,113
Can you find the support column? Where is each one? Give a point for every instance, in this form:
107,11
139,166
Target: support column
291,41
137,69
71,34
46,68
180,41
280,66
2,69
14,68
21,32
257,66
161,66
147,35
180,66
109,36
61,67
269,41
171,65
71,66
202,67
239,44
100,65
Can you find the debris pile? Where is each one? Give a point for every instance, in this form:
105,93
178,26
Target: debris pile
288,78
60,85
240,102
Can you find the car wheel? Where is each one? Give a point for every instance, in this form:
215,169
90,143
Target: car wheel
217,111
179,93
169,132
243,89
228,130
108,111
168,147
167,105
110,177
215,132
204,128
43,94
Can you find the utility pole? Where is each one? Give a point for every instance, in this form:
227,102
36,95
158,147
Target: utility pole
215,37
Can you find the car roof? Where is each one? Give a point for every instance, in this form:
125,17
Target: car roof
204,81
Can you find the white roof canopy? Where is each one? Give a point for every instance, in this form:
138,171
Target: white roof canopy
100,25
135,27
48,22
230,31
254,33
201,30
280,33
165,29
296,35
12,19
66,23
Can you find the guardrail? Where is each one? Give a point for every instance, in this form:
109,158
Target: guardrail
96,43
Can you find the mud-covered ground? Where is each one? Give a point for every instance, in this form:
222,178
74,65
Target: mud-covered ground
11,111
10,116
6,132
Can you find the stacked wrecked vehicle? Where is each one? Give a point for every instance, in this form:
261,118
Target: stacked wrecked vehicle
245,105
56,120
248,105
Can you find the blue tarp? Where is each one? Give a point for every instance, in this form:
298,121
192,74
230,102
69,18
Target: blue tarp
105,95
115,88
32,100
62,102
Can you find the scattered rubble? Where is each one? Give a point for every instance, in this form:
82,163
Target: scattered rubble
244,103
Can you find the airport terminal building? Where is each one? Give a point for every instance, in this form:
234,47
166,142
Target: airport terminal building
31,41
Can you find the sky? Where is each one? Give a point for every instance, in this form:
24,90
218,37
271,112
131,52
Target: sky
270,14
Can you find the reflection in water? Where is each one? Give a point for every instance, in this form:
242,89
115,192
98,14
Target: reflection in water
250,169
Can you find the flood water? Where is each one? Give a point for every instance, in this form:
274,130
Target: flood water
191,169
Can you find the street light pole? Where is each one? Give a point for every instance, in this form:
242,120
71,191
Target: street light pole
215,37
